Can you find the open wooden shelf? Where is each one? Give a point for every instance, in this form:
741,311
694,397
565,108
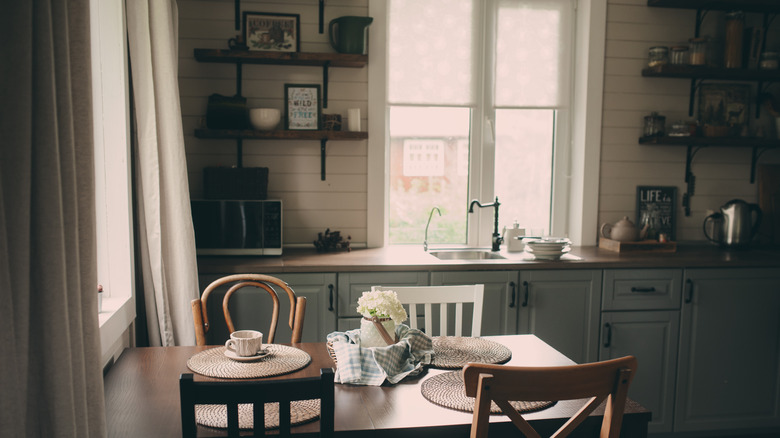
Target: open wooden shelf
772,6
281,58
747,142
704,72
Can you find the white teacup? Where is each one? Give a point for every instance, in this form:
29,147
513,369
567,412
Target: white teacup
245,343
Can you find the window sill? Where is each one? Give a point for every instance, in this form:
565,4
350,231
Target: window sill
116,316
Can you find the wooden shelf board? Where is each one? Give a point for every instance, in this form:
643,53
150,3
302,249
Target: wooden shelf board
771,6
712,141
704,72
281,58
280,134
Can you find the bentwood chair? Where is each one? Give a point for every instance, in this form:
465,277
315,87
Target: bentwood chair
270,284
597,381
258,393
443,297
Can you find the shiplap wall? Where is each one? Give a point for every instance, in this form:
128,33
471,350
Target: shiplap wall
310,205
721,173
339,202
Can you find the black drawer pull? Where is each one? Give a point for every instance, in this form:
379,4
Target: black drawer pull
525,294
643,289
514,292
608,336
330,297
688,290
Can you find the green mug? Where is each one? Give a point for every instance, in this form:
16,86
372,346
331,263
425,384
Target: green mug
349,35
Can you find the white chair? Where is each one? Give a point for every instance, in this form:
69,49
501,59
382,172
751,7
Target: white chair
443,296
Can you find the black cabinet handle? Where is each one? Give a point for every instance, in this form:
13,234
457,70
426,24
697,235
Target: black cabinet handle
525,294
643,289
330,297
688,290
608,335
514,291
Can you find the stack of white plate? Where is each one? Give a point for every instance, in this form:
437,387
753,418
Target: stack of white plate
547,248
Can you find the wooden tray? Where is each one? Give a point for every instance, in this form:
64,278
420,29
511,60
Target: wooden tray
639,246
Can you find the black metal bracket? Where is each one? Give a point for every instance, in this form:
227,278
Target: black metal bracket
322,15
325,67
695,83
690,178
323,143
754,156
700,14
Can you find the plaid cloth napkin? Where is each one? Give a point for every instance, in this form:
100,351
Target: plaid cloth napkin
372,366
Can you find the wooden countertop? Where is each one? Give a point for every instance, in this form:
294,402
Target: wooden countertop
413,258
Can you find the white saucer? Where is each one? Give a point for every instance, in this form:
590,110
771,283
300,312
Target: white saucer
232,355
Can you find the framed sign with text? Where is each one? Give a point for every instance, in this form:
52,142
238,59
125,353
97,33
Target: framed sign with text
270,32
302,107
655,207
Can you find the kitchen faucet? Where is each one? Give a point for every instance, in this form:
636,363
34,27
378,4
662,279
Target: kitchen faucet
497,239
425,241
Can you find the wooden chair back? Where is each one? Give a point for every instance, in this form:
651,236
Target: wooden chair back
444,296
257,392
607,380
270,284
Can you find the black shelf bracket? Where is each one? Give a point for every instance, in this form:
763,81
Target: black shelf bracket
323,143
238,14
239,152
695,83
325,67
322,16
700,15
690,178
754,156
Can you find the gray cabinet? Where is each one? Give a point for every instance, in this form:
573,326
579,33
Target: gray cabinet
251,308
499,310
729,366
561,307
351,286
642,318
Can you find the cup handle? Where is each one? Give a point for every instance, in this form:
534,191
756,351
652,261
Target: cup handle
330,34
230,345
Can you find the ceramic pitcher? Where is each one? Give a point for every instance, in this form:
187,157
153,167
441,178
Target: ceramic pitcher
348,34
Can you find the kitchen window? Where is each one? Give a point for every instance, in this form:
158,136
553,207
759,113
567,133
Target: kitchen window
478,105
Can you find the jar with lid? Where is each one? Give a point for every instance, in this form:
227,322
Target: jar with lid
678,55
698,51
658,55
769,61
735,27
654,125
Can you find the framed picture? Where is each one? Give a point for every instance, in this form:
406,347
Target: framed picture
302,107
655,206
725,106
269,32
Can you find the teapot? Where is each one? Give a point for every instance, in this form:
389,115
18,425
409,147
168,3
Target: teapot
622,231
734,225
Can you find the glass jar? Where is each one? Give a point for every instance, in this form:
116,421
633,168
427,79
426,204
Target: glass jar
654,125
698,51
678,55
658,55
735,27
769,61
680,129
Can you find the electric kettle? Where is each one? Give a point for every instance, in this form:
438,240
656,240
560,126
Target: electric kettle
735,225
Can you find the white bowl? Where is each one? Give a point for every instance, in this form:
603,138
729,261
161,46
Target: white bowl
264,119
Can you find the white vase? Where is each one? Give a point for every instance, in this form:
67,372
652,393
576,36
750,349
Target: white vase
369,335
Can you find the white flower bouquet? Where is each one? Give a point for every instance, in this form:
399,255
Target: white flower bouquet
382,304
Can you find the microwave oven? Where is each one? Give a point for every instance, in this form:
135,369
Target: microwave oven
237,227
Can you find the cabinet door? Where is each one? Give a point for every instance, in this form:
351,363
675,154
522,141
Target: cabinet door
561,307
729,350
499,307
251,308
353,284
650,336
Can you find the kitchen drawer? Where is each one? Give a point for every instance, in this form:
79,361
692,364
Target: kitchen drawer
351,286
641,289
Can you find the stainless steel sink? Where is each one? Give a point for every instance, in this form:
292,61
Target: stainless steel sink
465,254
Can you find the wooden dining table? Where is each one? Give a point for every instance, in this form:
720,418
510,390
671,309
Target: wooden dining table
142,398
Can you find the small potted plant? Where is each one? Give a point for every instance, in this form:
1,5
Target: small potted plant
381,311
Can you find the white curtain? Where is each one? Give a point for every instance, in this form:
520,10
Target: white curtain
51,382
167,239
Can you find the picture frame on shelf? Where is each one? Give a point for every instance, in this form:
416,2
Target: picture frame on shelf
656,206
724,109
302,107
272,32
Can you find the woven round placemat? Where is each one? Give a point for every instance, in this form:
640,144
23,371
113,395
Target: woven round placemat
215,416
281,360
448,390
451,352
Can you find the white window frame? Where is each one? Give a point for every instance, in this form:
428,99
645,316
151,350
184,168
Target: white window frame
576,167
113,200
